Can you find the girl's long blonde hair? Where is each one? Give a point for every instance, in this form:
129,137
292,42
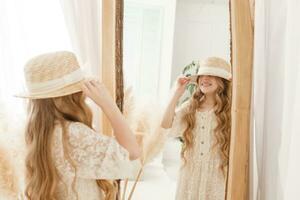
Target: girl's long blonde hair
41,175
223,116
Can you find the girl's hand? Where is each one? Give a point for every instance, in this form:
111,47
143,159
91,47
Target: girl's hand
97,92
182,82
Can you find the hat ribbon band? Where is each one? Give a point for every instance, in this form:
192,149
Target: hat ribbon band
56,84
215,71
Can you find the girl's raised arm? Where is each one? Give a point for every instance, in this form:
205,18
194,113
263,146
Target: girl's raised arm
170,111
100,95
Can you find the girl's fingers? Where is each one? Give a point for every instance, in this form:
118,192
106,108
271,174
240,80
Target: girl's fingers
185,78
85,90
188,80
90,85
87,87
94,83
183,81
93,86
87,84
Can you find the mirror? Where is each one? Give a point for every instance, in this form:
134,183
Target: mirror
164,39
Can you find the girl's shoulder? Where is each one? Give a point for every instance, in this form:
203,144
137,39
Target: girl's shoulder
181,110
79,133
75,128
78,127
184,106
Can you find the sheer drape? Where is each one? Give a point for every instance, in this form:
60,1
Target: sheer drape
276,102
84,22
27,28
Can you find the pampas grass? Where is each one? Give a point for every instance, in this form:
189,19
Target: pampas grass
130,115
144,118
153,144
12,154
8,179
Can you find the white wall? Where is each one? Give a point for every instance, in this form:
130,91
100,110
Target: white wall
201,30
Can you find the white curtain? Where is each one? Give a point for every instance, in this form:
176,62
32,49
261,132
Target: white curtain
276,102
84,22
27,28
32,27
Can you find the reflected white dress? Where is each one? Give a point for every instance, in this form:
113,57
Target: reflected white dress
95,155
200,178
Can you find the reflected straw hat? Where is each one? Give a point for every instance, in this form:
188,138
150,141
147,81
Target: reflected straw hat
52,75
214,66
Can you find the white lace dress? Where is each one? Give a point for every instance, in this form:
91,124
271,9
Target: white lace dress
95,155
200,178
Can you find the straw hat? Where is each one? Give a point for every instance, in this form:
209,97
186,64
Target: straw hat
214,66
52,75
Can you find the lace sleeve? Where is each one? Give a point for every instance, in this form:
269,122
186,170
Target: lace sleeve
178,125
97,156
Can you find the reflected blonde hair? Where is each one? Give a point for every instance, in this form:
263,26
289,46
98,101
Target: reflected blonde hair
43,114
223,116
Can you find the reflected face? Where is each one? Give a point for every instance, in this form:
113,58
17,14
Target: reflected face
208,84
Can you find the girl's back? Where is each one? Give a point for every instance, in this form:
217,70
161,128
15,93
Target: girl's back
66,158
95,156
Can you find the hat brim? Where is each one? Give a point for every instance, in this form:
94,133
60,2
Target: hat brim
70,89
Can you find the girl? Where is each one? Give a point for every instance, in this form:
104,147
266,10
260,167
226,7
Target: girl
66,157
204,123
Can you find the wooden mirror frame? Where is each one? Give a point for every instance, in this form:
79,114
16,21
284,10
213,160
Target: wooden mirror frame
112,55
242,35
119,6
241,18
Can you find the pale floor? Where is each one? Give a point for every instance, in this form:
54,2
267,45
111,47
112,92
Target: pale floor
159,177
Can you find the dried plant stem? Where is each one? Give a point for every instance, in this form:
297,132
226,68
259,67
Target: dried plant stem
125,188
135,183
